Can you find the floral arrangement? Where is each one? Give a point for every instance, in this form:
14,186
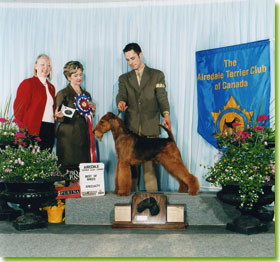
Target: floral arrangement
11,133
247,158
21,159
28,164
11,130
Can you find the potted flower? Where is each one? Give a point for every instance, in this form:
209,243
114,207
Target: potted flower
246,165
11,133
28,174
246,159
55,210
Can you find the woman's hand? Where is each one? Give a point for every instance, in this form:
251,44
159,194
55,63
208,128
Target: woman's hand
58,115
92,105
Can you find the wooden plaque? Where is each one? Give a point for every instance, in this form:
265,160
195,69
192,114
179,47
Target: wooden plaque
147,219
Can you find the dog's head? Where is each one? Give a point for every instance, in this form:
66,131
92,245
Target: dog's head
103,125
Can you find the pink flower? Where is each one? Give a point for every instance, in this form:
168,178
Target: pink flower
258,128
18,122
38,139
262,118
242,135
272,167
20,135
236,124
3,120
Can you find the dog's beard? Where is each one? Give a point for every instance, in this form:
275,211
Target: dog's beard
98,135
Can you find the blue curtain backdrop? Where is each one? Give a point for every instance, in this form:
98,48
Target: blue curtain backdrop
169,32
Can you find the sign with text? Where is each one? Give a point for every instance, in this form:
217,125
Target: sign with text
73,191
92,179
233,86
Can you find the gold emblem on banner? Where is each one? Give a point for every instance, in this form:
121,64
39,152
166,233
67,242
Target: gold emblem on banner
231,118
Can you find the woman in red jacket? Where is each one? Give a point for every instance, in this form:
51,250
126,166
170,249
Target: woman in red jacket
34,103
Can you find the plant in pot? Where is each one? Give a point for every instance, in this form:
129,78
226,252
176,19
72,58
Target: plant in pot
28,174
55,209
246,168
13,134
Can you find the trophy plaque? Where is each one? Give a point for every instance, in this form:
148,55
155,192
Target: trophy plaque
149,210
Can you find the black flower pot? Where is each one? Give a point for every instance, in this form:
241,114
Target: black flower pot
6,212
251,221
30,195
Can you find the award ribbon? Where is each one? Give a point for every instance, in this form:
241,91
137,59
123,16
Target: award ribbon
82,107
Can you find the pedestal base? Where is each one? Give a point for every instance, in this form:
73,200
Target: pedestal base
127,225
247,224
29,221
149,210
256,220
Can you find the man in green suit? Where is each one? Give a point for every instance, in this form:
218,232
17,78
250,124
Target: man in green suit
143,96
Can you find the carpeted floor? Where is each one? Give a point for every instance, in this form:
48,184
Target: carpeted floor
60,240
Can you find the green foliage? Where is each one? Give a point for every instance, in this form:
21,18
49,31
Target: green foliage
27,163
54,202
8,128
11,130
246,158
21,159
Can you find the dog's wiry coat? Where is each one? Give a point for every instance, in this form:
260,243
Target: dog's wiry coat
132,149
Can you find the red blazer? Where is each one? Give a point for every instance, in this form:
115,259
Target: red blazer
30,103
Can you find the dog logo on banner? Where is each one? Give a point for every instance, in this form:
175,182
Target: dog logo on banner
231,118
83,108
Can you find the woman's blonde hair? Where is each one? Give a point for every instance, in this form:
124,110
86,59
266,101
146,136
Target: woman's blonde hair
35,71
72,67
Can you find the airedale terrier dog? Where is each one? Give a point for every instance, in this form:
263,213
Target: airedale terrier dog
132,149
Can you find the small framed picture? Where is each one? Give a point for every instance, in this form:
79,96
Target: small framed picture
68,111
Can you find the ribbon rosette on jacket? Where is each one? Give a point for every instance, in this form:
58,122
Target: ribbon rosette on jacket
83,108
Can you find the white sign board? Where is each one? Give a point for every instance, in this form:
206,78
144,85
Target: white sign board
92,179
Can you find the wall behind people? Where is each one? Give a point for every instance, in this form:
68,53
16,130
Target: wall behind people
169,32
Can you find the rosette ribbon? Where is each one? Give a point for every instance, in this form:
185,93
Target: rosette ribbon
82,107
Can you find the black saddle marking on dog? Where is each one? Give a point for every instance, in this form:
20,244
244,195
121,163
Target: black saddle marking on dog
147,148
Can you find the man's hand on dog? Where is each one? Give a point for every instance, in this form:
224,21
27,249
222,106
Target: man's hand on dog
166,121
122,106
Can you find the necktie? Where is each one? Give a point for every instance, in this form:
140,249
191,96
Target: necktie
138,77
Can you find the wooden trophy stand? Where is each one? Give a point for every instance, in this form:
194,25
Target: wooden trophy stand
157,215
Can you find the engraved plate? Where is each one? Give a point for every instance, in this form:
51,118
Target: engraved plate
175,213
141,218
122,213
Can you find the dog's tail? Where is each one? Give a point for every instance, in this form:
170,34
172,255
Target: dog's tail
168,132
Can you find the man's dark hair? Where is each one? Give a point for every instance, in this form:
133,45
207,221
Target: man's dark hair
132,46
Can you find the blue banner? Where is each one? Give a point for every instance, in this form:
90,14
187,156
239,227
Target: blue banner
233,84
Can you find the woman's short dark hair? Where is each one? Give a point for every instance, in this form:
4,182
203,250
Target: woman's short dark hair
72,67
132,46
